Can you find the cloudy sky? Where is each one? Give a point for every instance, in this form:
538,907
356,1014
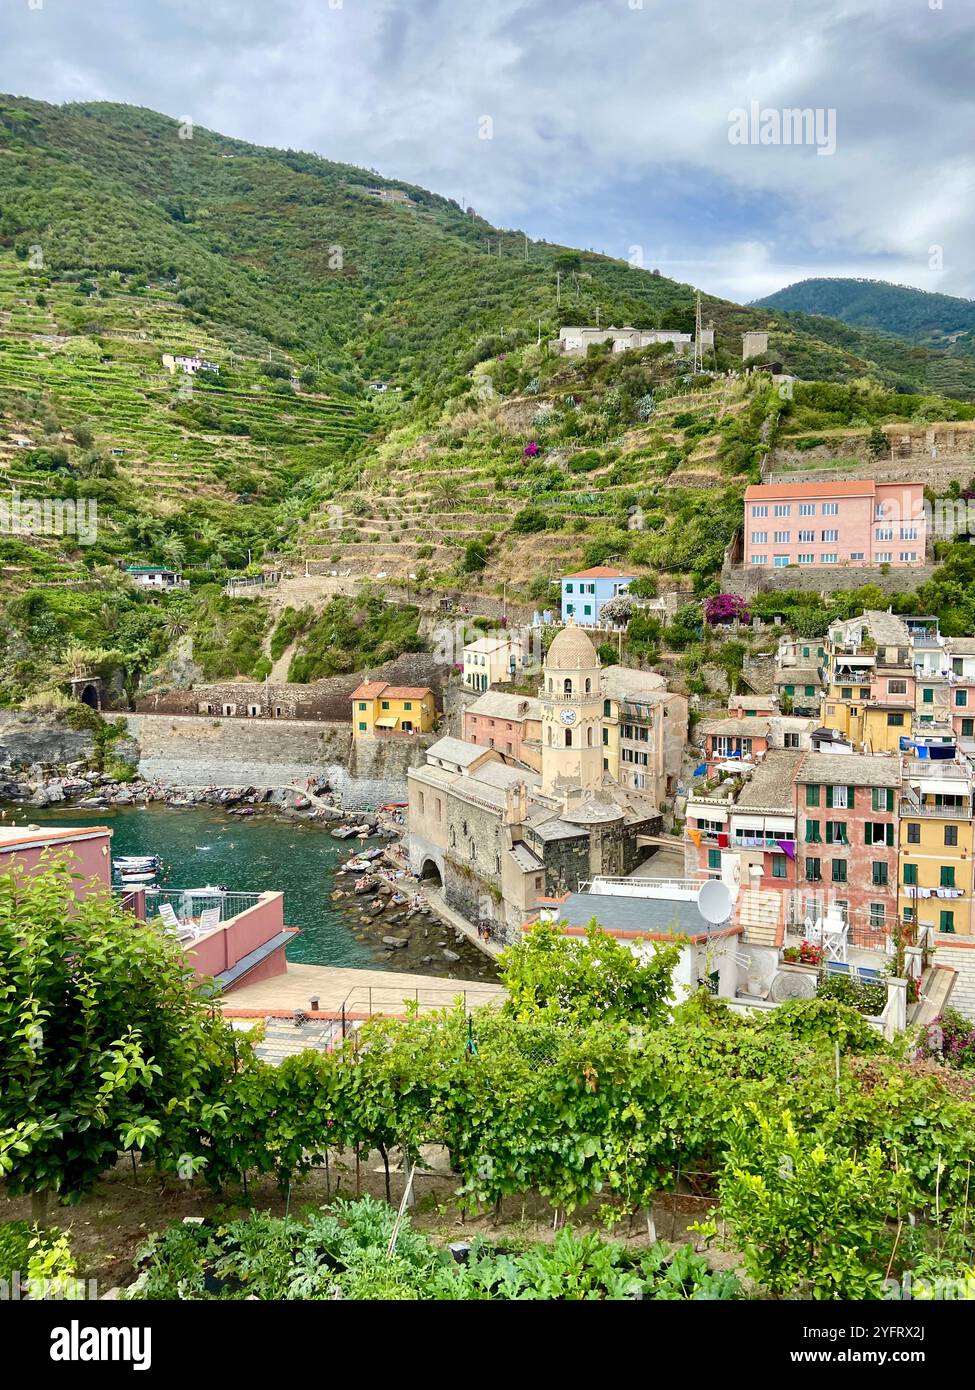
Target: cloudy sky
609,120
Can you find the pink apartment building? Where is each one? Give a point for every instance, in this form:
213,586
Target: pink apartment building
847,523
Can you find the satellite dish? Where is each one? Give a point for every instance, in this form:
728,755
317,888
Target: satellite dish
714,901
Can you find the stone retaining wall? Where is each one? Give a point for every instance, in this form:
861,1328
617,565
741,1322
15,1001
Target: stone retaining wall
326,700
822,579
198,751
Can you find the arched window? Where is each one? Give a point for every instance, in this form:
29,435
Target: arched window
567,685
550,736
551,684
588,686
589,737
568,738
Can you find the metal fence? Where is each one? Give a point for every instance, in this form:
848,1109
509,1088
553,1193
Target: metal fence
190,902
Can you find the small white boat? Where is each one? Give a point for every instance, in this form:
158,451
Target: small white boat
146,877
136,861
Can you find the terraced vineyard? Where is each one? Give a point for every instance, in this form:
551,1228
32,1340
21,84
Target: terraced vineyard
172,432
537,484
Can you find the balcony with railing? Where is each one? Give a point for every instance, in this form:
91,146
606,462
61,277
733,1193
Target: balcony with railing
226,935
910,809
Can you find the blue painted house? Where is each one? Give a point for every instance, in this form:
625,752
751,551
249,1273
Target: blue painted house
584,594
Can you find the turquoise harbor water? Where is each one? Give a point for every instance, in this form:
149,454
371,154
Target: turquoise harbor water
201,845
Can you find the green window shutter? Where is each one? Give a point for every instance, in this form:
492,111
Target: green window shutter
927,695
890,799
790,690
812,795
910,874
889,834
947,876
714,859
829,797
947,922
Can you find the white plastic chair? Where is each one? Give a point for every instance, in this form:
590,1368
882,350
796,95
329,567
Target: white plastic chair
209,918
168,914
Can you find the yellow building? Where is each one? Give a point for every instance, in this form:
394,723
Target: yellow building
936,837
870,682
379,709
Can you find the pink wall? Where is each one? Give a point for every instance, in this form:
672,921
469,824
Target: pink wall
506,733
89,851
862,535
225,945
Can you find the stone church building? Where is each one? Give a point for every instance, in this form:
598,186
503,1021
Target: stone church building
500,839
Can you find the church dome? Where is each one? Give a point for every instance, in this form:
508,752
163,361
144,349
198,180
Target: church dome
572,650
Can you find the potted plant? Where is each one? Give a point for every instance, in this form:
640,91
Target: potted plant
808,955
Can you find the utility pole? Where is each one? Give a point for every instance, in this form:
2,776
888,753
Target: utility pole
698,354
539,333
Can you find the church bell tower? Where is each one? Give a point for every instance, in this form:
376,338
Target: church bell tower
572,715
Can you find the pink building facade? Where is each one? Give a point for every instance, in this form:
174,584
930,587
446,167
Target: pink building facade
88,848
242,949
845,523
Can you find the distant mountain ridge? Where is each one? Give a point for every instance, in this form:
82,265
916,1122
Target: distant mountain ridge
918,315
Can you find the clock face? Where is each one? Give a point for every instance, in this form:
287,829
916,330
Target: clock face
567,716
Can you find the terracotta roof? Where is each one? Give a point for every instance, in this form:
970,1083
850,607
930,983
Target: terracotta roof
759,491
368,690
371,690
599,572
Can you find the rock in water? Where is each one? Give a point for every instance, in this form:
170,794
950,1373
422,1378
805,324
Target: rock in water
449,955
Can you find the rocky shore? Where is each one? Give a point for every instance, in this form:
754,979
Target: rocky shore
76,785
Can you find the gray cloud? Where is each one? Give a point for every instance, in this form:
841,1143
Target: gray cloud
610,119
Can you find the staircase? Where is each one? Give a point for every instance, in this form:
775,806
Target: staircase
937,982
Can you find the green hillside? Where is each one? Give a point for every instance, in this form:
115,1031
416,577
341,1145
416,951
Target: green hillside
918,315
122,241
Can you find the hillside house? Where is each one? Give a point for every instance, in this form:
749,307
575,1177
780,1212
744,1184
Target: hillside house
492,661
189,366
156,577
845,523
585,593
575,341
